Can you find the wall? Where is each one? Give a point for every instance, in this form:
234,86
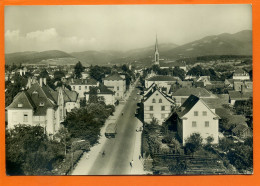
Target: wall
17,117
119,94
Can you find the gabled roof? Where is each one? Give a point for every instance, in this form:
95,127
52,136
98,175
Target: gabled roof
237,95
163,78
22,99
237,119
239,71
189,104
202,92
37,98
155,89
88,81
113,77
103,90
240,129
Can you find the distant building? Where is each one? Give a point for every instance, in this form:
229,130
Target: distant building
106,94
183,93
156,53
241,74
157,105
117,84
239,96
204,79
195,116
83,85
161,81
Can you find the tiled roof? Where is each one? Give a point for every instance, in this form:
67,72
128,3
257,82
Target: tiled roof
239,71
202,92
37,98
189,104
103,90
237,119
239,129
113,77
154,89
163,78
88,81
223,112
214,103
237,95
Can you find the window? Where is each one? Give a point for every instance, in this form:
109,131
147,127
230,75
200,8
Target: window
86,87
163,108
117,94
73,87
25,118
117,88
20,105
194,124
196,113
151,115
206,123
79,87
151,107
160,100
204,113
154,101
163,116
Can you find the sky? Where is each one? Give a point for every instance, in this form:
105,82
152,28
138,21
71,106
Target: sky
117,27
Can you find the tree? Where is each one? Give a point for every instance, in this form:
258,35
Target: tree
30,152
178,72
193,143
179,167
93,98
44,74
78,69
241,157
58,75
63,136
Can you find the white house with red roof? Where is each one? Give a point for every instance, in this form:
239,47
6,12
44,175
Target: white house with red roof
195,116
116,83
157,105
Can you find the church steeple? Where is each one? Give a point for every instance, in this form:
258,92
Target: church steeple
156,53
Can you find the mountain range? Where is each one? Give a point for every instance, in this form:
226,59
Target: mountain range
223,44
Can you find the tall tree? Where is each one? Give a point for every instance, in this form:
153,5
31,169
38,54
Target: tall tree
78,69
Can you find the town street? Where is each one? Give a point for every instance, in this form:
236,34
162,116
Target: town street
119,151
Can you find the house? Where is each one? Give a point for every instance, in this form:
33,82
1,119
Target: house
238,96
246,86
195,116
183,93
241,75
107,95
157,105
242,131
82,85
117,84
162,81
36,106
204,79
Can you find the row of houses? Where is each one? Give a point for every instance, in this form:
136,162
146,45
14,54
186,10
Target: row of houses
196,108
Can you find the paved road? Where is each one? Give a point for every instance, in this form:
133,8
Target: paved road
119,150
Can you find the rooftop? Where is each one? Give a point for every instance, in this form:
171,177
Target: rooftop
163,78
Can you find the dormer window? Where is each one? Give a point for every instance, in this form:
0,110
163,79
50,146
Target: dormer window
35,92
41,104
98,91
20,105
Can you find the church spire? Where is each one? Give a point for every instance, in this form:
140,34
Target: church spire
156,53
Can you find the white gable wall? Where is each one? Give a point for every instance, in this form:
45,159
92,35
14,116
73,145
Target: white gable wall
157,111
211,130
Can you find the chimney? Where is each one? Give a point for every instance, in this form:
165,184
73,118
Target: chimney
41,82
44,81
29,82
242,88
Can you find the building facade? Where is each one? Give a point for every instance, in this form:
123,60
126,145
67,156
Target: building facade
117,84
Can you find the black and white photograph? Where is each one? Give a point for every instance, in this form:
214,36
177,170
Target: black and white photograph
128,90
